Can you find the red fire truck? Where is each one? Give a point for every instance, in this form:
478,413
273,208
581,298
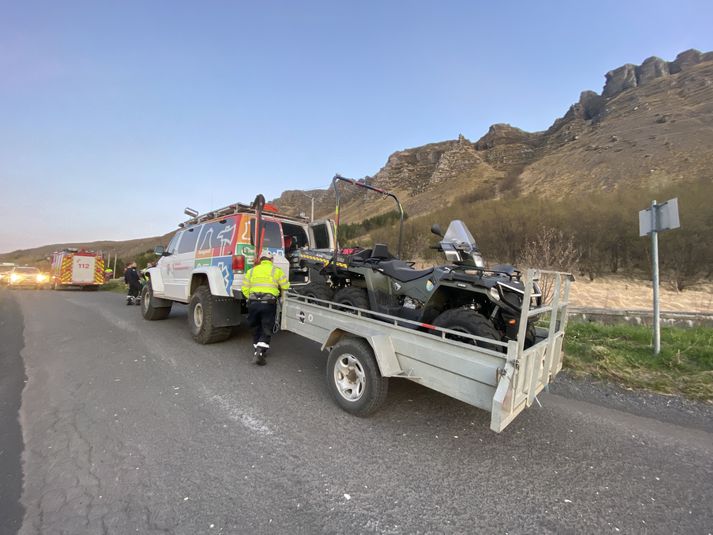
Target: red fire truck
72,267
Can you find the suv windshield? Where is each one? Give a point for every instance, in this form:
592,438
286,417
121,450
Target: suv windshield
26,270
5,269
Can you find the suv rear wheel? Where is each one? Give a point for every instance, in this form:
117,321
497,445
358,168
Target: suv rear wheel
200,318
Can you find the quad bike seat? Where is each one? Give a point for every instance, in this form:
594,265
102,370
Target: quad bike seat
381,252
402,271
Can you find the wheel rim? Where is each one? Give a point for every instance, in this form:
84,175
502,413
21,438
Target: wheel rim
145,301
349,377
198,315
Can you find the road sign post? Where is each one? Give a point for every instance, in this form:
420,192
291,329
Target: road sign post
657,218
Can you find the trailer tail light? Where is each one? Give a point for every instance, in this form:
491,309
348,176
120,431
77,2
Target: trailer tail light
239,263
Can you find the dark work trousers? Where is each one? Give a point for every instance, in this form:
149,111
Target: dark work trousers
134,290
261,317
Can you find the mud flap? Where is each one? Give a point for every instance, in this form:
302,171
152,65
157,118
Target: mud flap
226,312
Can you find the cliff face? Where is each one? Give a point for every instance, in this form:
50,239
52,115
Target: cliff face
652,124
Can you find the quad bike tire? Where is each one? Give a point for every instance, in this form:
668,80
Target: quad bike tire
353,297
200,318
354,379
317,290
469,321
148,310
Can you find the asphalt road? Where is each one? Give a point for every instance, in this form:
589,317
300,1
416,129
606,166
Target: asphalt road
128,426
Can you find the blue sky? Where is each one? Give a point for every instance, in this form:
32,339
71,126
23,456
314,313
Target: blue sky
114,116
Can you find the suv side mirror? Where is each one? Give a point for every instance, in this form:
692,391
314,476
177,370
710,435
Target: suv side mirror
436,229
160,251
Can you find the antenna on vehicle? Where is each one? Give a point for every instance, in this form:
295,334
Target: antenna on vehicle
190,212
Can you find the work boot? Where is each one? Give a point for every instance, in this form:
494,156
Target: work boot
259,357
129,300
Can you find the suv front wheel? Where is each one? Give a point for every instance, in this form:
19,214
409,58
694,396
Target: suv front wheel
200,318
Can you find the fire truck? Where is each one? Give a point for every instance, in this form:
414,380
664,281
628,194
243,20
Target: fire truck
73,267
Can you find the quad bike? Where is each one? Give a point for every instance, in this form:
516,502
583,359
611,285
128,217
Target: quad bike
462,296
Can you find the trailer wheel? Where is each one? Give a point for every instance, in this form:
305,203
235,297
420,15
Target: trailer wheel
200,318
148,310
468,321
353,297
354,379
317,290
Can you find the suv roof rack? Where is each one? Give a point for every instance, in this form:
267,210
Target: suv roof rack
237,208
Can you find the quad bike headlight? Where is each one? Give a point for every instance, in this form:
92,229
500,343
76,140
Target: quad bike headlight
494,293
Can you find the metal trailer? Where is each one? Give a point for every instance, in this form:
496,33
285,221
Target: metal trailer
366,348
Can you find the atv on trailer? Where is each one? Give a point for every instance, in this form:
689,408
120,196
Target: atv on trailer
462,296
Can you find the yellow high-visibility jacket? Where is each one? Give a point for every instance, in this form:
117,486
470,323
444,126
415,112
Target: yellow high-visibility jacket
265,278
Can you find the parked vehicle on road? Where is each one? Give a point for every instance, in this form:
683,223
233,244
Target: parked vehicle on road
77,268
204,264
5,269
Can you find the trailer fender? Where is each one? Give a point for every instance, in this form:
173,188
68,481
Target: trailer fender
381,345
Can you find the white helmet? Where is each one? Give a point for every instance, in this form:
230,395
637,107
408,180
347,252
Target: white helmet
265,254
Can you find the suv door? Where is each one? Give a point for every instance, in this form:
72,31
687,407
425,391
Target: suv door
176,270
322,235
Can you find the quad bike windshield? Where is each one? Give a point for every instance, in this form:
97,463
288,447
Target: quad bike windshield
459,245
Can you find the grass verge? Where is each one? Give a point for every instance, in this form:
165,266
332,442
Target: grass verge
623,354
114,285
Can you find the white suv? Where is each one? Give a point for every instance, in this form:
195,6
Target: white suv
205,262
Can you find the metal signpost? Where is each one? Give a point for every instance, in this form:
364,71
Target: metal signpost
657,218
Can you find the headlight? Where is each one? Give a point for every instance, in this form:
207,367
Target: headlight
41,277
15,277
494,293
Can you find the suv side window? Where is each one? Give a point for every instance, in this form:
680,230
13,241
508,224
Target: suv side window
272,234
218,234
189,237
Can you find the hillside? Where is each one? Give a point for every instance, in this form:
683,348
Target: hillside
649,130
125,250
651,126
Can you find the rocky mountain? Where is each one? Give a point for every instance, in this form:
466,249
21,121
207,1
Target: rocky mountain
651,125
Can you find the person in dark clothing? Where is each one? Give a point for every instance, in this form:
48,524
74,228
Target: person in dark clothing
132,278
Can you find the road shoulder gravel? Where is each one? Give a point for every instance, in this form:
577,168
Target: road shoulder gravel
671,409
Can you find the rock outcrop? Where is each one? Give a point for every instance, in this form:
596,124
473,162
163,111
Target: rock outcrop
644,125
629,76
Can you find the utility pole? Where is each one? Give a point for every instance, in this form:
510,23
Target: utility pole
311,217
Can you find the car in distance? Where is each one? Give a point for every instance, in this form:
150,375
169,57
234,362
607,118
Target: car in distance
26,277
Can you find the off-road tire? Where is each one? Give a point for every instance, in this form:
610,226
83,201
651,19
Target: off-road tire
201,322
148,311
356,355
317,290
469,321
353,297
